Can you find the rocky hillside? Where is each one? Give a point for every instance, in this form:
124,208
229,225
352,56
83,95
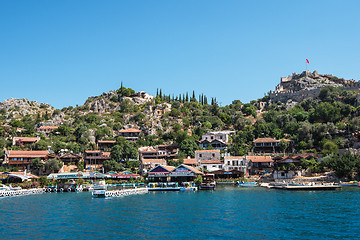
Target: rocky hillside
20,107
297,87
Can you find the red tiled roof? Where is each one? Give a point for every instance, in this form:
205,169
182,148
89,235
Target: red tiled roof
106,141
147,161
193,169
263,140
207,151
169,168
48,127
233,157
148,149
26,139
30,154
129,130
266,140
259,158
211,162
190,161
106,154
92,151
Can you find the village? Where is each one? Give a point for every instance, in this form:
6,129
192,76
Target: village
268,161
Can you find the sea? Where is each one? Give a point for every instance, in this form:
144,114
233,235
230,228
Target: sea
229,212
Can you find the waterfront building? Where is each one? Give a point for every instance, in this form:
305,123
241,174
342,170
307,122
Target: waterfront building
260,164
211,165
130,134
271,145
184,173
147,164
223,174
160,173
235,162
95,159
23,159
124,175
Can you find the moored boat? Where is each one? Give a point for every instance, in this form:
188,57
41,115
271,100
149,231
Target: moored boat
349,184
248,184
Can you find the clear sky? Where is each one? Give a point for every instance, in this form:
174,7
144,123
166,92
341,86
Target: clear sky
61,52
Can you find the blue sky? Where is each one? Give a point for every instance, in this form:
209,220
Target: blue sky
61,52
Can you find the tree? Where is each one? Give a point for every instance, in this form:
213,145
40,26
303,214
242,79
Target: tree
112,165
116,153
284,145
330,147
343,165
37,164
188,147
53,165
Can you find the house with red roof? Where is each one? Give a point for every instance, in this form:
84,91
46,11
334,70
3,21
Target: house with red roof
184,173
22,141
130,134
23,159
160,173
271,145
105,145
260,164
46,129
95,159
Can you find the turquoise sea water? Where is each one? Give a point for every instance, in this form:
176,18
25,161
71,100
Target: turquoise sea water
227,213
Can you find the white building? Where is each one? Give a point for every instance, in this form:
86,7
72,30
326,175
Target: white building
211,165
219,135
235,162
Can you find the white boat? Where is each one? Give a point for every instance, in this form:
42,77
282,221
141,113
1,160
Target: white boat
248,184
4,188
98,190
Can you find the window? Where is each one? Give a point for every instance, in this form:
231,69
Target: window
205,167
228,162
200,155
213,154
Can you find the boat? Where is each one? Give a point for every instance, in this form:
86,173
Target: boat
308,186
99,189
349,184
188,186
4,187
208,182
14,188
248,184
163,186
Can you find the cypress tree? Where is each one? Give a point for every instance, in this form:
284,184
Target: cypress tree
157,92
187,97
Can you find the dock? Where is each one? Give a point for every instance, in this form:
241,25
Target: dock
13,193
308,187
118,193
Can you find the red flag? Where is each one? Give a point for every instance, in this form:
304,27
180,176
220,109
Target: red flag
307,61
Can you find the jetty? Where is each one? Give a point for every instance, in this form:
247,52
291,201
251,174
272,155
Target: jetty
311,186
13,193
118,193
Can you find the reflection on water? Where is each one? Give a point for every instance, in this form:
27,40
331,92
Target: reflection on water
227,213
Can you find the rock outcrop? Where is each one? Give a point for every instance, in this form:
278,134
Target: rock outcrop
297,87
23,107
